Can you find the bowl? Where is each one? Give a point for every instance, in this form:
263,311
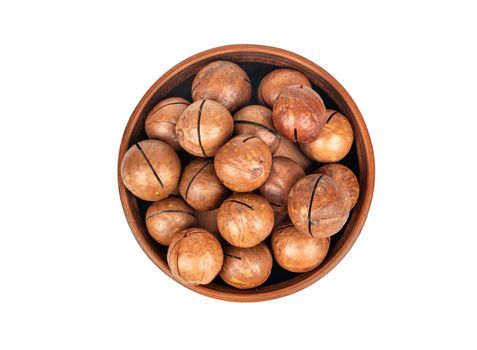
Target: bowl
257,60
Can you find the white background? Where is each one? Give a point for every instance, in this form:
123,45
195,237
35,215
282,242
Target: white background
72,275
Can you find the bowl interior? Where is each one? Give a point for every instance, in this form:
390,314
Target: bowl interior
177,82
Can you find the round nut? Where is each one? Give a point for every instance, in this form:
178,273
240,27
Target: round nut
195,256
317,206
296,251
344,178
290,150
222,81
167,217
257,120
161,121
274,82
200,187
246,268
150,169
203,127
245,219
334,142
299,114
243,164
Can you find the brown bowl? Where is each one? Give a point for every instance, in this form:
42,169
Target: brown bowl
257,60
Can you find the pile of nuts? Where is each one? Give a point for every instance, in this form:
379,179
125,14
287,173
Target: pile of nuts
249,176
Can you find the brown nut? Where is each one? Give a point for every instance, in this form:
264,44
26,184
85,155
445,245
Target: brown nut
344,178
224,82
283,176
200,187
280,218
167,217
208,221
243,164
195,256
290,150
203,127
299,114
257,120
150,169
245,219
334,142
317,206
296,251
274,82
161,121
246,268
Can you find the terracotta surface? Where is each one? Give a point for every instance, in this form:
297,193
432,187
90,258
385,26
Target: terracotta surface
264,59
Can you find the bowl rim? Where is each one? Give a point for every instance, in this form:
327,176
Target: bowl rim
369,174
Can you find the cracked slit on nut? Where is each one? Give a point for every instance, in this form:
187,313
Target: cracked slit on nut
284,226
178,257
195,87
170,104
295,135
240,202
161,122
314,222
193,178
173,247
248,138
275,204
198,128
311,204
258,125
203,269
188,234
233,256
171,211
149,164
177,254
331,116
